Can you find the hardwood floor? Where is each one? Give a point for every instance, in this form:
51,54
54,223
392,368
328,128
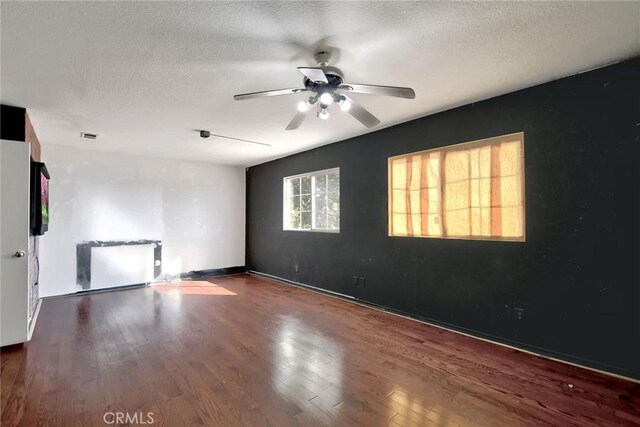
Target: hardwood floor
241,350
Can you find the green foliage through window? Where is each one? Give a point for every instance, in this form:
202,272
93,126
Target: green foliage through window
312,201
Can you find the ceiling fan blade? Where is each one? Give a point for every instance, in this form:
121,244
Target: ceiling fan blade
399,92
360,113
242,140
315,74
268,93
297,120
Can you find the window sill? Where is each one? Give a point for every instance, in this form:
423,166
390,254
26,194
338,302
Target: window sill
478,238
313,231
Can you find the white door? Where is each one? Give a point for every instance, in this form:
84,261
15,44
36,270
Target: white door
14,240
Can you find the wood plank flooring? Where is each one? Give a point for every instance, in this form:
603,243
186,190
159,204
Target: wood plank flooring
245,351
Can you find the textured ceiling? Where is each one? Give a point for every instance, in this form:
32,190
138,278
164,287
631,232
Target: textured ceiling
146,75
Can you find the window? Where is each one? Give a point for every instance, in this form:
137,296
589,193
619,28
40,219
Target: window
473,190
312,201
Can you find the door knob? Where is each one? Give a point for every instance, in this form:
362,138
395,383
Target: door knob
19,254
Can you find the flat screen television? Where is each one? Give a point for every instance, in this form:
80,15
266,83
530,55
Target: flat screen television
39,198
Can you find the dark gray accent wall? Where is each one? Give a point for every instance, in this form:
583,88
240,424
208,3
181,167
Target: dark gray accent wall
572,290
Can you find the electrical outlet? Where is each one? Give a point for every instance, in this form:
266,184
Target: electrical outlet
297,268
518,313
362,282
355,280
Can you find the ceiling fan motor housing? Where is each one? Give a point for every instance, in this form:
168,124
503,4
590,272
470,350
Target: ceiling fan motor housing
334,78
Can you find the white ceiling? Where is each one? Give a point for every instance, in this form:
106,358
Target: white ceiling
146,75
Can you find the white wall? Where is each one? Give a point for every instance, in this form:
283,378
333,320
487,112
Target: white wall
197,210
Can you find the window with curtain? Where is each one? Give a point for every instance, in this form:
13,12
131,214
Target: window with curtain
312,201
473,190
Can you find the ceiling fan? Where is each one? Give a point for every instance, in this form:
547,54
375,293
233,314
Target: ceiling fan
326,86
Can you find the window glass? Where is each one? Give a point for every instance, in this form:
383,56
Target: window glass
312,201
473,190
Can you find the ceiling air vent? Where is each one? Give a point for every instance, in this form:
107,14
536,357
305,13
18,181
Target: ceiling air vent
87,135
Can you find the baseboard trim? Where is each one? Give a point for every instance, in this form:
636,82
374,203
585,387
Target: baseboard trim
302,285
34,319
113,288
213,272
437,324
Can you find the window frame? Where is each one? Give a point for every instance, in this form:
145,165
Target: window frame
285,211
454,147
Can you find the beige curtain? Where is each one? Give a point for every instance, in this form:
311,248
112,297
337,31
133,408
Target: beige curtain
471,190
415,205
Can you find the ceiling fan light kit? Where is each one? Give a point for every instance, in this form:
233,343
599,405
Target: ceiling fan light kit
345,105
326,98
303,106
326,85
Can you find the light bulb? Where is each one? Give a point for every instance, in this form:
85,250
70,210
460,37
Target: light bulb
324,114
303,106
345,105
326,98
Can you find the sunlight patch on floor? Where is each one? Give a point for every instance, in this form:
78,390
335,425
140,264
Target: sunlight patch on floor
192,287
